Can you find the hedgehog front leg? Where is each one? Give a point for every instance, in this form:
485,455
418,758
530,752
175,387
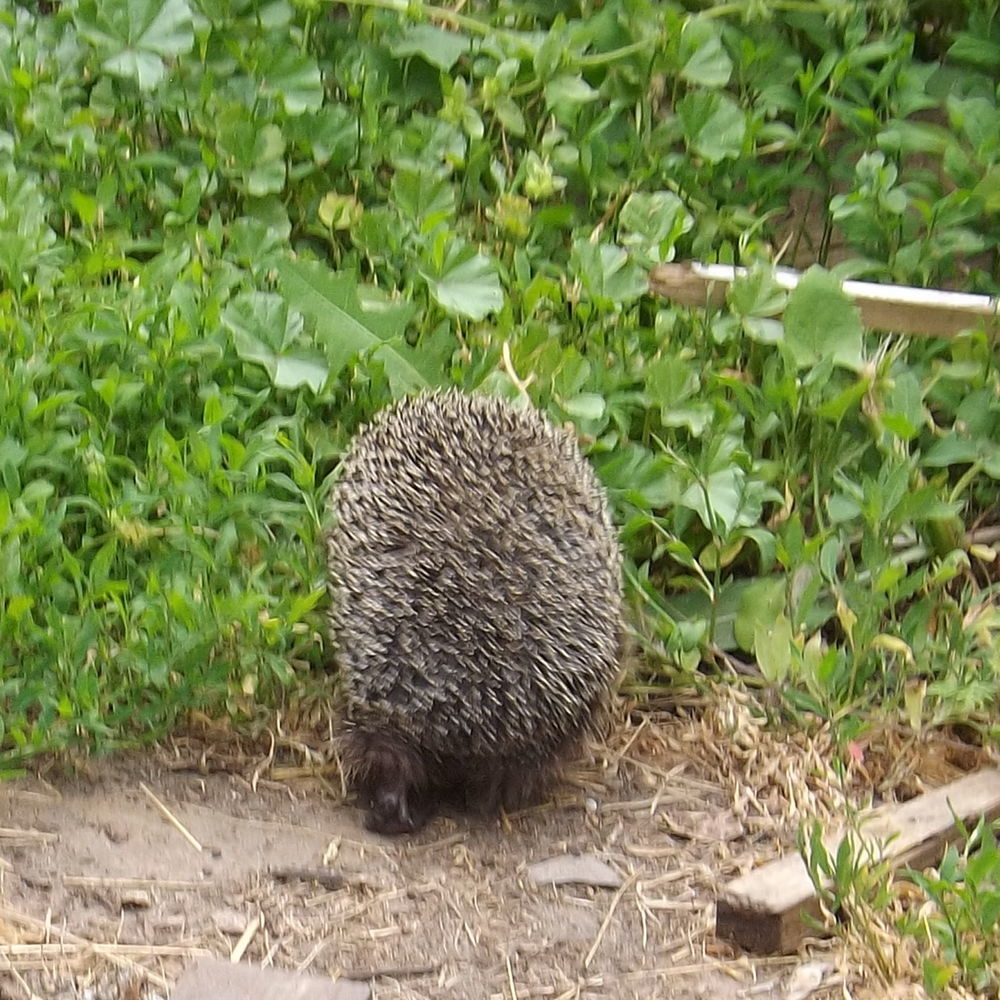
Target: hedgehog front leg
390,778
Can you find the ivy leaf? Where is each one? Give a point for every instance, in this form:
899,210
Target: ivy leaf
822,323
467,284
704,62
714,125
265,334
295,80
609,277
343,327
566,94
438,47
137,35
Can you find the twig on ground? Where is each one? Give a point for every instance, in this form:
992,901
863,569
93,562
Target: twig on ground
171,818
239,949
602,930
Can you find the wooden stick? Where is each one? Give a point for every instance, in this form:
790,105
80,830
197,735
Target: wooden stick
80,947
924,312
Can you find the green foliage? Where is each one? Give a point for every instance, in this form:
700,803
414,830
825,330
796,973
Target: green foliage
960,929
850,878
230,232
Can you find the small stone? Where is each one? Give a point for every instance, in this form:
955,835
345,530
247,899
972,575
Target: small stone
136,899
230,921
36,880
583,869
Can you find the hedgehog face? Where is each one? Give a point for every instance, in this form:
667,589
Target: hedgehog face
390,811
390,779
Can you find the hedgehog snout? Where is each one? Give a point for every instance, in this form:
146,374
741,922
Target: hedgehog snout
391,780
390,811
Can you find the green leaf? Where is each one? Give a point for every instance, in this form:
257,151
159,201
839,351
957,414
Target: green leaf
510,115
567,91
18,606
295,80
905,413
772,646
298,368
976,50
988,190
251,154
705,62
585,406
264,333
761,603
822,323
955,450
343,327
714,125
757,294
719,501
467,284
653,222
424,196
608,275
437,46
135,35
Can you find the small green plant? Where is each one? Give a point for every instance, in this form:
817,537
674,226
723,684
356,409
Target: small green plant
958,924
854,889
230,232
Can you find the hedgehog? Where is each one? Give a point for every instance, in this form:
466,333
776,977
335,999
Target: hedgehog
476,609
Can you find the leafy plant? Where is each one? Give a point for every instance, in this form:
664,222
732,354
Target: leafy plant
959,924
229,233
853,886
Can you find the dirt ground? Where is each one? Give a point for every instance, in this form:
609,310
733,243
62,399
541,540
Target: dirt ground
105,896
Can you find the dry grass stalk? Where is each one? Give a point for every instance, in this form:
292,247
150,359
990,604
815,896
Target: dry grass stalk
17,837
107,882
249,933
170,817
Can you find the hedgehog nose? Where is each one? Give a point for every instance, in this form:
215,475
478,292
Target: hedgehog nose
390,812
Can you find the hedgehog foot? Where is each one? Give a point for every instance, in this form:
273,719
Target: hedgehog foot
390,779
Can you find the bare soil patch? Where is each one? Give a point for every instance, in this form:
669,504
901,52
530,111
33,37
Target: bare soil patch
102,897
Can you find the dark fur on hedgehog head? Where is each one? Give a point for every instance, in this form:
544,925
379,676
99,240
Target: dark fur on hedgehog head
476,606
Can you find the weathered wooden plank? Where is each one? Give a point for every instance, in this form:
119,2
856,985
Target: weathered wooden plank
924,312
766,910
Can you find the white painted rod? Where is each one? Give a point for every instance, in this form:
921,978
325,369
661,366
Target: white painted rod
924,312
